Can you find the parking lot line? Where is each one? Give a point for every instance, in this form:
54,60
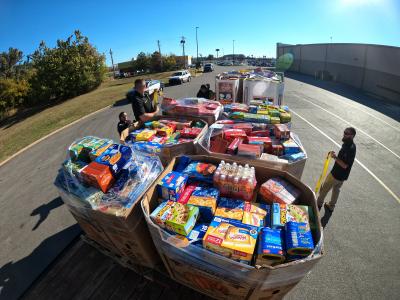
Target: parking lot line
360,163
352,125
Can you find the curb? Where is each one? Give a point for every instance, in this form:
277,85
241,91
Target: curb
51,133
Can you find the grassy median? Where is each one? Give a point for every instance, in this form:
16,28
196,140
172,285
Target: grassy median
19,133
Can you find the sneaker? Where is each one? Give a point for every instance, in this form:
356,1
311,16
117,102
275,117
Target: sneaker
328,207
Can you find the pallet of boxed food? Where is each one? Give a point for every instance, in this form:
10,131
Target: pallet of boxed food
219,235
275,146
204,109
264,85
226,90
100,183
166,136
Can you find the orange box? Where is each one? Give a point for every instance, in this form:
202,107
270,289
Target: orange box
98,175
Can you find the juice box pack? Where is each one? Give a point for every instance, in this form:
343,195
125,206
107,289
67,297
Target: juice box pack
231,239
172,185
270,247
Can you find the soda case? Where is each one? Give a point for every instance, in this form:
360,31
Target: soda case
219,276
235,181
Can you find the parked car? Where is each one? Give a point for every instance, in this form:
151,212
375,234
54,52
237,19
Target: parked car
180,77
208,68
152,85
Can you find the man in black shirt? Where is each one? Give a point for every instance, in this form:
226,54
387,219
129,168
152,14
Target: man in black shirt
340,171
123,123
142,103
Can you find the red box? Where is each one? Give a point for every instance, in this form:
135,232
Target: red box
265,141
281,131
277,150
246,127
190,132
253,151
233,147
219,145
189,189
259,133
231,134
98,175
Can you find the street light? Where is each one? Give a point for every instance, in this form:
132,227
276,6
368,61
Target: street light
197,46
183,49
217,52
233,55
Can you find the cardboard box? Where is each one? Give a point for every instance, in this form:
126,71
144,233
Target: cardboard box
98,175
172,185
227,278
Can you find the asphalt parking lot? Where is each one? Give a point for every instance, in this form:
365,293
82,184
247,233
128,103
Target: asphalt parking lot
362,236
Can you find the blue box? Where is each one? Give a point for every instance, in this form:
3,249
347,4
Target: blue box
278,215
206,199
270,249
172,185
299,241
116,157
195,237
290,147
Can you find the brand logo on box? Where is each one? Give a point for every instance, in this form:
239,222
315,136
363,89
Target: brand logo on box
214,240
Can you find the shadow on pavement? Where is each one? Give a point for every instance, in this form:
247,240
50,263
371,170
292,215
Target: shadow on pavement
121,102
383,106
44,210
16,277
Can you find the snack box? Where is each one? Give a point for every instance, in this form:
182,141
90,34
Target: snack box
278,215
159,140
172,185
95,153
253,109
162,213
206,199
281,131
285,117
200,171
197,234
260,133
145,135
277,150
231,239
233,147
253,151
98,175
298,239
270,157
230,208
81,149
231,134
262,111
116,157
192,132
219,145
290,147
165,131
256,214
274,113
246,127
275,120
278,190
189,189
148,147
295,156
183,218
258,140
270,250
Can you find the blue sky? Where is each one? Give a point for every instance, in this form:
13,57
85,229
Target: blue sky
256,26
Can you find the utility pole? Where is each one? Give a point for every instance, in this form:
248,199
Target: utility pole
217,50
233,55
183,49
197,46
112,62
159,51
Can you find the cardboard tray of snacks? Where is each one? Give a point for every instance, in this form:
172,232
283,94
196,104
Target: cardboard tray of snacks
218,276
169,151
295,168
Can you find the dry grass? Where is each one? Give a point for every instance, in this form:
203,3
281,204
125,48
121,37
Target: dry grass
19,135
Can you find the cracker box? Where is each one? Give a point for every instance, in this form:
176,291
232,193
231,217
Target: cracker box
270,249
298,213
260,133
183,218
246,127
256,214
162,213
172,185
298,240
231,239
98,175
230,209
205,198
116,156
278,215
258,140
191,132
279,190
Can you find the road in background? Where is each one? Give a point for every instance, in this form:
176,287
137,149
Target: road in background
361,237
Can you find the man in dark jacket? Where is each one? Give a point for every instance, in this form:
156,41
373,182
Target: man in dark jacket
340,171
123,123
142,104
203,92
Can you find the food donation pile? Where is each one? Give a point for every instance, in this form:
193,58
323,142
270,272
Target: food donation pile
106,176
259,112
220,208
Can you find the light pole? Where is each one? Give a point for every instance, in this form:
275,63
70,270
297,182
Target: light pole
233,55
197,46
183,50
217,50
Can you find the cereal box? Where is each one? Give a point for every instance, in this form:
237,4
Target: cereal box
256,214
98,175
183,218
205,198
172,185
231,239
299,240
279,190
270,249
116,156
230,208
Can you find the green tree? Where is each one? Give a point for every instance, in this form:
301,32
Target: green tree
169,62
8,62
155,62
142,62
12,94
72,68
210,57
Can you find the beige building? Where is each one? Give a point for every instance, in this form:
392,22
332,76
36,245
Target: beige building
186,61
372,68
